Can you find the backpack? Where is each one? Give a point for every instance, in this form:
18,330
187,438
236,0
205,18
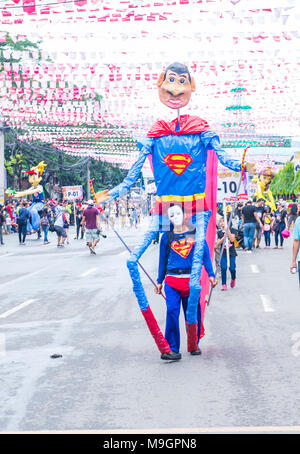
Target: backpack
51,227
44,220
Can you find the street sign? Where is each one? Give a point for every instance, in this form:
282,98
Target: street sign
227,185
72,192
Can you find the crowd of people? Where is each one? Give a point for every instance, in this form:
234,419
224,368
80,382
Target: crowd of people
253,225
251,222
56,216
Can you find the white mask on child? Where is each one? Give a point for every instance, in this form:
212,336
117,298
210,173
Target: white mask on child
175,215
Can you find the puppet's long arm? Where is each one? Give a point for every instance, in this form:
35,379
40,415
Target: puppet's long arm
271,202
259,190
132,175
29,191
223,157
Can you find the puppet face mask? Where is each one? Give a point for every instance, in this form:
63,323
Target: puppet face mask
265,180
175,215
34,179
266,177
175,89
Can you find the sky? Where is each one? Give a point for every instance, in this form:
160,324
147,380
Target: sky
254,44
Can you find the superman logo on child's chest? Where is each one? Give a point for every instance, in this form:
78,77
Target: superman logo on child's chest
183,247
178,163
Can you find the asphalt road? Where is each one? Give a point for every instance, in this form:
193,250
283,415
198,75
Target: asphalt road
108,376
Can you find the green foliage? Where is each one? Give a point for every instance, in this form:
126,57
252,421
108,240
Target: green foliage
17,48
296,184
61,169
284,181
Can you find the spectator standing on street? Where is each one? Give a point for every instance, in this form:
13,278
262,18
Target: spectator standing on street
267,221
91,222
45,224
78,217
232,254
293,215
2,220
249,219
23,217
8,222
238,211
296,249
8,209
133,217
59,226
123,215
67,224
279,224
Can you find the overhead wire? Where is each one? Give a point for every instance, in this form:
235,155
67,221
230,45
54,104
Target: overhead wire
37,5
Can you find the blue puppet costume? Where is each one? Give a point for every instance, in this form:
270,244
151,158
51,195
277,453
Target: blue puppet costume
178,151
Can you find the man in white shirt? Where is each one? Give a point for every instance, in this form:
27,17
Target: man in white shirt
59,227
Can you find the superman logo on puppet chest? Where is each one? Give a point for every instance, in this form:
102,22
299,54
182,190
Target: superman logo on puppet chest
178,163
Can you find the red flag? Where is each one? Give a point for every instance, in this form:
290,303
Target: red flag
29,6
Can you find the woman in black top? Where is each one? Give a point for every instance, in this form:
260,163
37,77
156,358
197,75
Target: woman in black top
279,224
232,254
78,216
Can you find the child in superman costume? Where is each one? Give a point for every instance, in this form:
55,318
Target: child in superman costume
175,264
183,158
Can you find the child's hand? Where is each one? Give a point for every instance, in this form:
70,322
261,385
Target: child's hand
213,281
158,289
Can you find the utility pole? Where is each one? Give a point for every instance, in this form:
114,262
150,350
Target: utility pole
88,176
2,165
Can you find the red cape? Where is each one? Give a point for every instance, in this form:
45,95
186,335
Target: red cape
188,125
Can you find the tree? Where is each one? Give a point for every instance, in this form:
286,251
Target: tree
283,182
296,183
62,169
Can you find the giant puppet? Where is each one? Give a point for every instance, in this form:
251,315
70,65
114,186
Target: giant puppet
37,192
263,191
183,154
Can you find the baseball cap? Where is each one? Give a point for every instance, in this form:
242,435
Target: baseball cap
90,202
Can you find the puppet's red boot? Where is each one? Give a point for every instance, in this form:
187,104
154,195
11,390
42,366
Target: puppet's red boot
192,338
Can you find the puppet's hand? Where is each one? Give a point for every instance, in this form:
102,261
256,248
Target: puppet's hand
102,196
250,167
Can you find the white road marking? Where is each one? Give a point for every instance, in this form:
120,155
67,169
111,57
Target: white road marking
267,303
254,268
25,276
90,271
2,345
7,255
17,308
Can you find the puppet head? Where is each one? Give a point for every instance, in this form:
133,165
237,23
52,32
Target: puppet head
175,86
265,176
35,173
